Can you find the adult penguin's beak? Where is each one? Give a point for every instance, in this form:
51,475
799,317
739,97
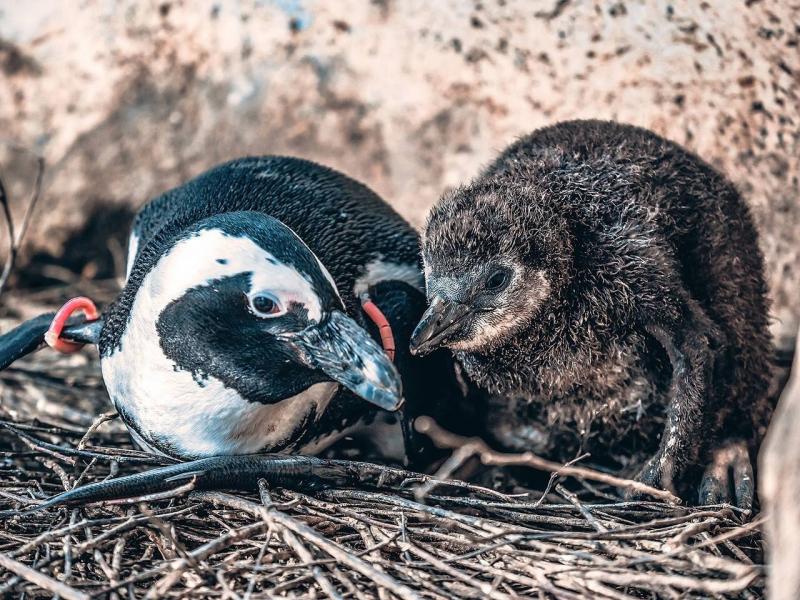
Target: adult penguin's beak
346,353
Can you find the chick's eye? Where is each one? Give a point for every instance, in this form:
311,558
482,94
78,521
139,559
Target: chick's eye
265,305
497,281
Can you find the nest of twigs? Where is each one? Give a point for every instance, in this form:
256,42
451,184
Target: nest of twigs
574,539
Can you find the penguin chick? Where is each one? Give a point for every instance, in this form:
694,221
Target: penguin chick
603,289
230,335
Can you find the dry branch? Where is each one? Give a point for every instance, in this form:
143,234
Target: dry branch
477,447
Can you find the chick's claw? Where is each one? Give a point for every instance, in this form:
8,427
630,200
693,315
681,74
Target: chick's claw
729,479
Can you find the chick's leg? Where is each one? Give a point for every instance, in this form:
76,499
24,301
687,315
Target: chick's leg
729,479
690,340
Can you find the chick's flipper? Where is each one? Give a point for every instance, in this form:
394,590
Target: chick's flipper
690,340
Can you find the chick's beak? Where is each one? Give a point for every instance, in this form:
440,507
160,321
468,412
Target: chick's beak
347,354
438,324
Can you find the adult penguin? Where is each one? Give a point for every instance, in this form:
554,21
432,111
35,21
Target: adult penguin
240,328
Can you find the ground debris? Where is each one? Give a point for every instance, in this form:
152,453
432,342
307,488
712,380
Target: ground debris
576,540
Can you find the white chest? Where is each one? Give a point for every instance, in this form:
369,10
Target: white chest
201,418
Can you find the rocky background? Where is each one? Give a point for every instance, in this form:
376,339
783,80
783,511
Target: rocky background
126,99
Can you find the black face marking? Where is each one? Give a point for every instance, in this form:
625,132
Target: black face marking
222,261
210,331
265,231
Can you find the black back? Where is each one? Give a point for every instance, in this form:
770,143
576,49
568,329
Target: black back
344,223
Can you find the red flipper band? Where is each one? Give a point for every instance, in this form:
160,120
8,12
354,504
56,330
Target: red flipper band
53,335
385,330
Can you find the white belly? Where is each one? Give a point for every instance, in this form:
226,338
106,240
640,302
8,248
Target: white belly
201,418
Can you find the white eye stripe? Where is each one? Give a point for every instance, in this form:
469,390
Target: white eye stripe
170,278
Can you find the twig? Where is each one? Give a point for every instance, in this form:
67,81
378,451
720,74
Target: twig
15,239
321,542
295,544
40,579
573,499
103,418
445,439
173,493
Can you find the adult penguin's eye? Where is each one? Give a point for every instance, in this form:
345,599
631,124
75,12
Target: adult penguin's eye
497,281
266,305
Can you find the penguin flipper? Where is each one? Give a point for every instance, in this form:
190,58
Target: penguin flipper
29,337
23,339
242,473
